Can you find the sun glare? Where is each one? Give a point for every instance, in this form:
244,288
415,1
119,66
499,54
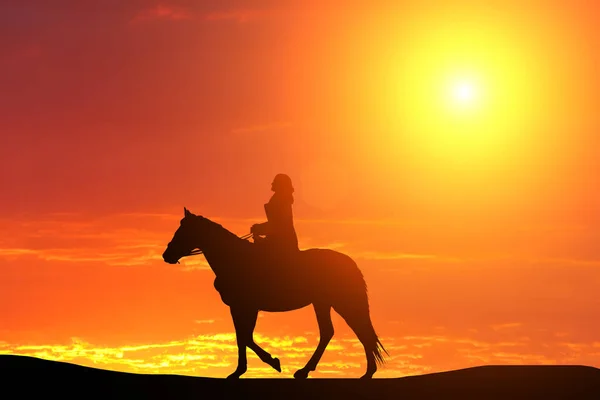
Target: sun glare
464,92
466,95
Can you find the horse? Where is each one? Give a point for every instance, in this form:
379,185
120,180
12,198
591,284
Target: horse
250,279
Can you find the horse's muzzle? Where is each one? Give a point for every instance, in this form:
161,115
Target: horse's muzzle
169,258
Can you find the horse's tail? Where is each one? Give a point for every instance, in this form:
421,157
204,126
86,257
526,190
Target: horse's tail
366,333
353,306
377,352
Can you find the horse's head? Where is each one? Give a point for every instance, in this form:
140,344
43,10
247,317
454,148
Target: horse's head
185,239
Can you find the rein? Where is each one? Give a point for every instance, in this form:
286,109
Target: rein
196,252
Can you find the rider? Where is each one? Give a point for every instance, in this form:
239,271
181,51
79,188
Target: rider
279,229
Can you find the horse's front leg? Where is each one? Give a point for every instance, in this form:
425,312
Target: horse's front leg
244,321
243,330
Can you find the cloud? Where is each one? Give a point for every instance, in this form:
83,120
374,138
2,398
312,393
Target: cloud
205,321
162,12
507,326
172,12
131,239
16,252
197,264
562,262
240,16
120,240
215,355
123,256
374,255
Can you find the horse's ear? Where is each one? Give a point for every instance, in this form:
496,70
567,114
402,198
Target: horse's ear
186,212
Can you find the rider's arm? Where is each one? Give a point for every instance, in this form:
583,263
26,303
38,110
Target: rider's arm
260,229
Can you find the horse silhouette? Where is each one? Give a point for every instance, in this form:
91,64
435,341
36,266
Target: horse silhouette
250,279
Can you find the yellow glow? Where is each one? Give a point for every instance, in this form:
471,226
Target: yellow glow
461,95
464,92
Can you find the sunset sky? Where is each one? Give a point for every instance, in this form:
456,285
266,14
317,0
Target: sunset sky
451,148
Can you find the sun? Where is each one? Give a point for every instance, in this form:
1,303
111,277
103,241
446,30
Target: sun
464,93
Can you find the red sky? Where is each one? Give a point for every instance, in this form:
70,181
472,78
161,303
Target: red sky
476,227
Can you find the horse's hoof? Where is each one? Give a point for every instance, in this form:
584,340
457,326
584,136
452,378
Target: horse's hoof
366,376
276,364
235,375
301,374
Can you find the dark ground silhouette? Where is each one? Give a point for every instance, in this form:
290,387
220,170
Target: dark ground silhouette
28,377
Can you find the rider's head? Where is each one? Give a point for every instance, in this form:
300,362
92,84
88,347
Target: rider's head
282,184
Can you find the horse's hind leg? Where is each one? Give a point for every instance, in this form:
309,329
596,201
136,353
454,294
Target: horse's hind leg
357,317
323,313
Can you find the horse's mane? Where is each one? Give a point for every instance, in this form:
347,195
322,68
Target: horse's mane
220,231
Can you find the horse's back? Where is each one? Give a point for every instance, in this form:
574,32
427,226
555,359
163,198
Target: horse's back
317,268
330,256
330,267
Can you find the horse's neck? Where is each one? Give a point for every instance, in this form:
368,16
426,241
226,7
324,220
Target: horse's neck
220,247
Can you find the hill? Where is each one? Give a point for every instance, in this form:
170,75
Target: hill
28,377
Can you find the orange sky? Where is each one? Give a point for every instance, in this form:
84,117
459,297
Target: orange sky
476,227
